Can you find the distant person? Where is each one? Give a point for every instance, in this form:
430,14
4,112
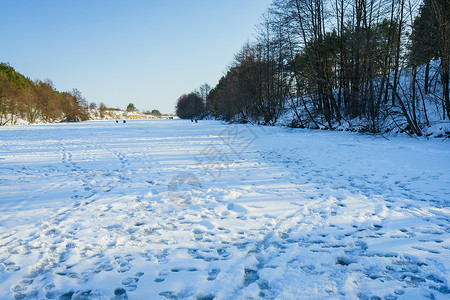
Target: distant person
124,121
117,121
192,120
196,120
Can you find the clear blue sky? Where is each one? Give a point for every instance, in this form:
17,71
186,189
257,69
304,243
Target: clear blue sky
116,52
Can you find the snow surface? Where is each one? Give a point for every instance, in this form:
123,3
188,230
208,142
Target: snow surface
174,209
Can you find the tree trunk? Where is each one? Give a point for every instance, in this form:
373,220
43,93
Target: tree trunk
397,55
427,76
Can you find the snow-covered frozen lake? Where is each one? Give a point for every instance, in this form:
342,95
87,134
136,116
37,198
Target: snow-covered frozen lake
173,209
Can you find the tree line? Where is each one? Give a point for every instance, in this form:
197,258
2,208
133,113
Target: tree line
33,101
20,97
371,64
193,105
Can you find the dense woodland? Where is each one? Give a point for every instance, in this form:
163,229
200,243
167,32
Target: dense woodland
20,97
370,64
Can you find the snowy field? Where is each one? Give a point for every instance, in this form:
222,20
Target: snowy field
173,209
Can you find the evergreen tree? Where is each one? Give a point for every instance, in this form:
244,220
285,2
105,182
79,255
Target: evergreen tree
131,107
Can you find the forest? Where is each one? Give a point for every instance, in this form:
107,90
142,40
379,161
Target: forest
20,97
370,65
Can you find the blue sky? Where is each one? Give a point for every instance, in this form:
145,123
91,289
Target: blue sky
117,52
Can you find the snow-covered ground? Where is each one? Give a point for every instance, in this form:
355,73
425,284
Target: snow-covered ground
174,209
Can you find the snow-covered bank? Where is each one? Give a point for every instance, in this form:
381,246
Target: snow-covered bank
94,115
97,210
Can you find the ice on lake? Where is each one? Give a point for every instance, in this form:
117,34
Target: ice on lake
180,210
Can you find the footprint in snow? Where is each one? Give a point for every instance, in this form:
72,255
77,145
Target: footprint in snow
432,251
212,274
250,276
50,291
123,262
169,295
11,267
86,294
204,255
130,283
162,276
120,294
